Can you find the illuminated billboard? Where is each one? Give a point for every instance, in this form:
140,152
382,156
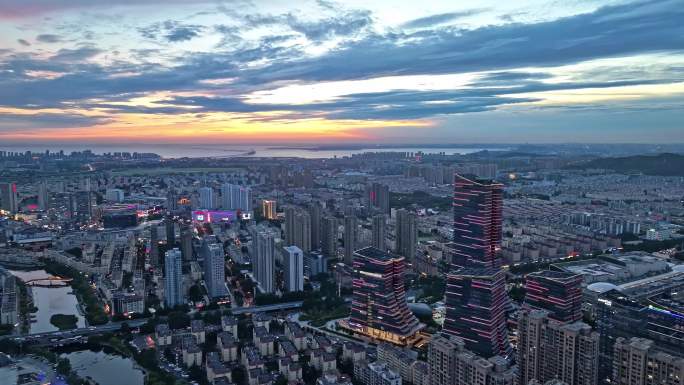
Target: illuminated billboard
211,216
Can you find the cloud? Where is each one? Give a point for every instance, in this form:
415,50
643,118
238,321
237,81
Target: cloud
342,24
621,30
12,122
172,31
78,54
441,18
48,38
23,42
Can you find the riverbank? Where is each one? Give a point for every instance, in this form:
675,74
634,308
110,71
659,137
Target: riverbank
86,294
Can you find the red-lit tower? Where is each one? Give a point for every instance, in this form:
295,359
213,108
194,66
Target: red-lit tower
475,296
379,307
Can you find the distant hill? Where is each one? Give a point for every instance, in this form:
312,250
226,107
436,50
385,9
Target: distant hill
663,164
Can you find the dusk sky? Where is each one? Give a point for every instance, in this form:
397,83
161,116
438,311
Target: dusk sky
189,71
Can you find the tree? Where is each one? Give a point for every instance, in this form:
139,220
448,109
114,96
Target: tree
178,320
63,366
125,328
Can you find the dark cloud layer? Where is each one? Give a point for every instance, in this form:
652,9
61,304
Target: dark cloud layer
632,29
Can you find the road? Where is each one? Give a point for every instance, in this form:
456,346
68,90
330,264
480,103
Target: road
43,338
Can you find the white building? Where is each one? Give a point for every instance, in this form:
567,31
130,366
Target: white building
114,195
293,266
206,197
173,278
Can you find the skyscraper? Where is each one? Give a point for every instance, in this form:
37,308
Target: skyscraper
475,310
263,259
268,209
154,246
549,349
293,268
379,231
206,198
170,232
379,307
476,293
329,237
173,278
315,215
451,363
43,196
171,201
8,197
477,222
378,197
639,361
214,268
236,197
560,293
407,234
350,237
298,228
186,242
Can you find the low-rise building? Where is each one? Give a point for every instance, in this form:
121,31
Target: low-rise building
227,346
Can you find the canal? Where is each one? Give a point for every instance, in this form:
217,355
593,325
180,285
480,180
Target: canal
49,301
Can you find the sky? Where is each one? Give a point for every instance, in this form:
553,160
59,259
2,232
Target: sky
382,71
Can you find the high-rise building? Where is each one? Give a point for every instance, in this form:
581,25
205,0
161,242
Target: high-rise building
214,268
379,226
475,310
173,278
186,242
236,197
549,349
620,316
638,361
379,307
560,293
350,237
378,197
206,198
43,196
477,222
329,237
154,246
263,259
114,195
8,197
451,363
314,264
407,234
171,201
170,232
298,228
268,209
315,215
293,268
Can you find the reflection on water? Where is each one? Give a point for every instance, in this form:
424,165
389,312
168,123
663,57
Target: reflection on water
50,301
105,369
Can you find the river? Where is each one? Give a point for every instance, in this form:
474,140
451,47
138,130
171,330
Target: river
49,301
104,368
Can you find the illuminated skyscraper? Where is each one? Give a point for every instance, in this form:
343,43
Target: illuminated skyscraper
475,310
476,293
559,293
379,307
477,222
268,209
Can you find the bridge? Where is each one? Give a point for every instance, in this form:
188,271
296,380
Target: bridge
49,282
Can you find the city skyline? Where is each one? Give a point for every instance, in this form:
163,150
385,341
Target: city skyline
340,72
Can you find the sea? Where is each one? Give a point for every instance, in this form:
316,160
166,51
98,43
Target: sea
227,151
